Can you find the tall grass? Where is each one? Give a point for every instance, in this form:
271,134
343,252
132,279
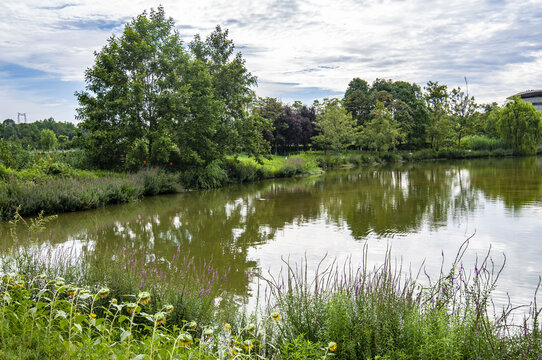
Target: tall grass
64,194
380,314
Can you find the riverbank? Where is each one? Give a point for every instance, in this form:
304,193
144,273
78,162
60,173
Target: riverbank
101,307
52,185
64,189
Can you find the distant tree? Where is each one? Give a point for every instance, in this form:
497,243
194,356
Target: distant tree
48,139
382,133
63,141
338,129
489,120
359,100
436,98
11,131
462,111
520,126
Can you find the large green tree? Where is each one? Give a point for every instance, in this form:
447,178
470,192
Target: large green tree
338,129
149,97
382,132
462,111
520,126
137,89
48,139
359,100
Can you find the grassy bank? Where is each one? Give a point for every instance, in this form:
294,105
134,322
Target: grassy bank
59,188
61,305
50,182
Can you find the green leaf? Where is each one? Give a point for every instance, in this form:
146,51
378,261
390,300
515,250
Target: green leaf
125,335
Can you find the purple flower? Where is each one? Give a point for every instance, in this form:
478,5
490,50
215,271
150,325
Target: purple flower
142,284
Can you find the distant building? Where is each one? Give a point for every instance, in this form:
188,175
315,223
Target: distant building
532,96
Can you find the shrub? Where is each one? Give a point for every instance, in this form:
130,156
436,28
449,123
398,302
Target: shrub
210,177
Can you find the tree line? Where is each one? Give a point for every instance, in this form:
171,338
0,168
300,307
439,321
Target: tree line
150,99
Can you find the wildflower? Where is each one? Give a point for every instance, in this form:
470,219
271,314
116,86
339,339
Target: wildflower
103,293
332,346
144,297
114,301
170,164
19,284
71,292
248,344
275,315
144,161
227,327
160,318
131,307
169,308
92,316
251,327
185,340
192,325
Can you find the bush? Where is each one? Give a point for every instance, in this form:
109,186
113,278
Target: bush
210,177
480,142
424,154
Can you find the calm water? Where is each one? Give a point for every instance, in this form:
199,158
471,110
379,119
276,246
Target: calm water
419,210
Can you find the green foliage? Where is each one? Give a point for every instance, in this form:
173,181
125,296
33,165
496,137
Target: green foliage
48,140
382,132
520,126
481,142
375,314
337,128
56,187
210,177
188,105
138,156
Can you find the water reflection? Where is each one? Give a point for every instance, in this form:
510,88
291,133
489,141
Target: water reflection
419,209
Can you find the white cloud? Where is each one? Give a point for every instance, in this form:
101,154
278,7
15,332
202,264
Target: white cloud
314,43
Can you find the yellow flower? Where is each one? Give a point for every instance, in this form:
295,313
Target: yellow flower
160,318
92,316
332,346
275,315
114,301
103,293
248,344
185,340
131,308
169,308
71,292
19,284
251,327
227,327
144,297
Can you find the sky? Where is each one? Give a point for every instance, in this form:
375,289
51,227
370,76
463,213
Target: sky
299,50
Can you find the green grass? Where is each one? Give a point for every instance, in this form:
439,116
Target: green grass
47,307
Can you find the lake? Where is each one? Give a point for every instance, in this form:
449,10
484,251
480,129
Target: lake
421,211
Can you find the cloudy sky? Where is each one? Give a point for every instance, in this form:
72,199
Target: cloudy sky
298,49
